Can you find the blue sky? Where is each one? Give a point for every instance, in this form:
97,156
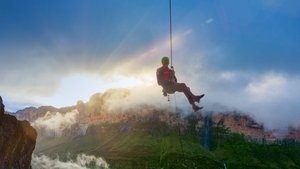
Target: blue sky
238,52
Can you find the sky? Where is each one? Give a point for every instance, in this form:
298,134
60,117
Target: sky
244,55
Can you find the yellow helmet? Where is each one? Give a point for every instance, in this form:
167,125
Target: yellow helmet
165,60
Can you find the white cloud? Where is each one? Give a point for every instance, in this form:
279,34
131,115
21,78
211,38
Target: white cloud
54,123
268,87
271,98
82,162
130,98
209,20
228,75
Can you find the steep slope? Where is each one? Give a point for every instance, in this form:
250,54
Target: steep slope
17,141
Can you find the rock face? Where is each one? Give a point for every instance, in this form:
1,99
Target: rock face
17,141
1,108
32,113
239,124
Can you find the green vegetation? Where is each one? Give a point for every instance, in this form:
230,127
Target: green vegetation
238,153
156,145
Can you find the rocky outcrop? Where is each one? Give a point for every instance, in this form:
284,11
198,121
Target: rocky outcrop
1,108
17,141
243,124
239,123
32,113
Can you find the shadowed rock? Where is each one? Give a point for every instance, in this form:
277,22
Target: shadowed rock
17,141
1,108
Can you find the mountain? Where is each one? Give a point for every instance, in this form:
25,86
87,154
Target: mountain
152,142
32,113
17,141
104,107
145,141
149,136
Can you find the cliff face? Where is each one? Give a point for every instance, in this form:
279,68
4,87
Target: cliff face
32,113
239,124
17,141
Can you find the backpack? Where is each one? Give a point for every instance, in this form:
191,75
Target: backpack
164,76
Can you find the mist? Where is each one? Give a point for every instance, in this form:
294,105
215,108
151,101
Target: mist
53,124
269,97
82,161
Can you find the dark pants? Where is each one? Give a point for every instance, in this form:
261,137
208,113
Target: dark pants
179,87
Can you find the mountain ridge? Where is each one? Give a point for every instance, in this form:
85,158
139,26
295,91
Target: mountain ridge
152,136
98,109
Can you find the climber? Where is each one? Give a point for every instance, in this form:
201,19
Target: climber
167,79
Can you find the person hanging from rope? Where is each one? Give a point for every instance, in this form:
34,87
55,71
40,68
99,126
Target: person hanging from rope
167,79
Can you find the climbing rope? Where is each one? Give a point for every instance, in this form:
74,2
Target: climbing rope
171,40
171,56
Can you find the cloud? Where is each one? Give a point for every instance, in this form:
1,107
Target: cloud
144,61
145,95
227,75
54,123
271,98
44,71
270,86
209,20
82,161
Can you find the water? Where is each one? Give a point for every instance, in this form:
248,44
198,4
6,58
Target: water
206,132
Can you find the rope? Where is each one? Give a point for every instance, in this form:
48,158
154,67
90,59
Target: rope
171,45
171,39
171,56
